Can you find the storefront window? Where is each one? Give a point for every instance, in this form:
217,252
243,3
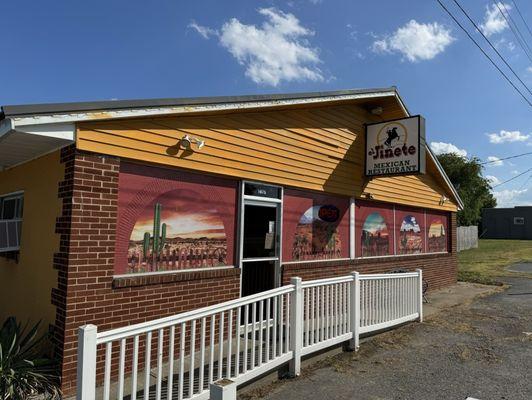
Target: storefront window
410,231
315,226
374,229
437,240
171,220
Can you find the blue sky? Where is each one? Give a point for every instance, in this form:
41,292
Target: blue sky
73,51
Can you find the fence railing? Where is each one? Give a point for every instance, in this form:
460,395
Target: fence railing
178,357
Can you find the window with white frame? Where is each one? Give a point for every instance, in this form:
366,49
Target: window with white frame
519,220
11,209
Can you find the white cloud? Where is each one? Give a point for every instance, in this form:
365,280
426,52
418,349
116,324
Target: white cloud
494,21
511,198
493,180
274,52
507,137
442,148
416,41
529,70
503,42
514,172
204,31
495,162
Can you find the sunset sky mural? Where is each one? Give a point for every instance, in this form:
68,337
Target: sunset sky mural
195,234
374,236
436,229
375,223
184,217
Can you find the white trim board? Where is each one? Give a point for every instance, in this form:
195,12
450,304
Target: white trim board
195,108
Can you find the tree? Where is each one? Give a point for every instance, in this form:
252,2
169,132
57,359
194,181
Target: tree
473,188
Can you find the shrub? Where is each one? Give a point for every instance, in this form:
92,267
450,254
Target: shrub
25,372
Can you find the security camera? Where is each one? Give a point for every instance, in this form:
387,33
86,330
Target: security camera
377,110
186,142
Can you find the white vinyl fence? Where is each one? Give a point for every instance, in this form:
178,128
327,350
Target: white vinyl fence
179,356
466,237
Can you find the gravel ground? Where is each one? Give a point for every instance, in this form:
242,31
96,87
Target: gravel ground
482,350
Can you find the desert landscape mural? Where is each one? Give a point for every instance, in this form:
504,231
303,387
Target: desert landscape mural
410,236
177,232
375,236
437,238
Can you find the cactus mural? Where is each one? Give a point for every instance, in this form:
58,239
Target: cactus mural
193,235
158,239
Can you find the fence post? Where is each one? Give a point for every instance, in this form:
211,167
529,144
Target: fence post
296,326
86,380
354,309
420,294
224,389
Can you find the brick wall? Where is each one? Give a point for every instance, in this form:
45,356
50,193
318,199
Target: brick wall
86,291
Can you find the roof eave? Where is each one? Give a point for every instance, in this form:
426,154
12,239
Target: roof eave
35,110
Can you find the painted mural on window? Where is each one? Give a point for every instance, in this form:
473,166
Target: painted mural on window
177,234
375,240
317,234
173,220
437,235
410,238
315,226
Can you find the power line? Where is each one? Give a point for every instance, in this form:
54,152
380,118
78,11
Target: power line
521,15
483,52
515,25
506,158
511,179
524,184
524,45
492,46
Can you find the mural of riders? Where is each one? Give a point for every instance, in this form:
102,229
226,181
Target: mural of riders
177,234
437,233
317,234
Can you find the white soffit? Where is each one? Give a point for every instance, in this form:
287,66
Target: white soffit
22,143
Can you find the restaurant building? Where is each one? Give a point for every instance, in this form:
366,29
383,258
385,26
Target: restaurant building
119,212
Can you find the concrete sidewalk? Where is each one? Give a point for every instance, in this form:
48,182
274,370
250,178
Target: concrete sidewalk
461,293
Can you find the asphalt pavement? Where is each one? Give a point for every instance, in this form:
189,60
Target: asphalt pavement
480,349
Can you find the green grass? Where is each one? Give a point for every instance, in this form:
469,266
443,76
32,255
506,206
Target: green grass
490,259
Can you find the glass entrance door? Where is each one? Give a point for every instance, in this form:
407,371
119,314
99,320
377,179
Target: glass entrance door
260,244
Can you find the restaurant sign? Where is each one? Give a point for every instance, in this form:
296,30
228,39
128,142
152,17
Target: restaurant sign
396,147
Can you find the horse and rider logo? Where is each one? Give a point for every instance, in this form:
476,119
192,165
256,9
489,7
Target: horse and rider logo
390,136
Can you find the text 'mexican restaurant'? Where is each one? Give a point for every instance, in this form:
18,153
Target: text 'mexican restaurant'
119,212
